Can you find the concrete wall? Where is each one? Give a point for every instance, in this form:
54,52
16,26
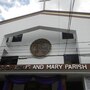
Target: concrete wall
22,49
81,25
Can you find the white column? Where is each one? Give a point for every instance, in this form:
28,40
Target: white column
87,83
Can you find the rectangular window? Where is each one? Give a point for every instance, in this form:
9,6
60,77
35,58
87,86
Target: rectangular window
71,59
17,38
7,40
67,36
9,60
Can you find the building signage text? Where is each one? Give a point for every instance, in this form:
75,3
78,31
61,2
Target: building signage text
46,67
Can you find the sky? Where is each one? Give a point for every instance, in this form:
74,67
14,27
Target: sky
14,8
10,8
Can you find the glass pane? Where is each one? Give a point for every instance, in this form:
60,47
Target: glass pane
14,8
9,60
71,59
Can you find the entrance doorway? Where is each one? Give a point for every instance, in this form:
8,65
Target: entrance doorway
37,86
75,83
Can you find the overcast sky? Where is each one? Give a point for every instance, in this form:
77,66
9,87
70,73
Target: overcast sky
13,8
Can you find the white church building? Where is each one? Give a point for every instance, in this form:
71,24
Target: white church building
53,33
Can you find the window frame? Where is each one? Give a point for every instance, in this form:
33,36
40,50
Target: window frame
67,35
17,38
71,59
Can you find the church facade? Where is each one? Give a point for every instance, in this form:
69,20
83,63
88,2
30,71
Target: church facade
50,52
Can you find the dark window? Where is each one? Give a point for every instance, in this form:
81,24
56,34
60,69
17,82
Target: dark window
9,60
71,59
7,40
67,36
17,38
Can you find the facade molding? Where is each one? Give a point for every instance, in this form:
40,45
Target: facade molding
40,27
49,12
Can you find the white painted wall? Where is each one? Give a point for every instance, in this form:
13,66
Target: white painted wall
55,38
18,26
46,60
81,25
85,59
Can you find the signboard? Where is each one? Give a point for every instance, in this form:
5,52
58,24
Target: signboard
46,67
